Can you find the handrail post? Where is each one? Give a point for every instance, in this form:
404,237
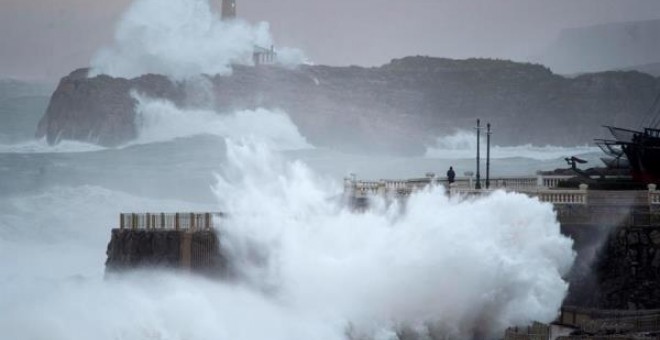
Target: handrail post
133,221
121,221
207,221
176,221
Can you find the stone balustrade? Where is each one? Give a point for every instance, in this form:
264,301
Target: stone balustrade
537,186
525,183
551,181
544,195
578,197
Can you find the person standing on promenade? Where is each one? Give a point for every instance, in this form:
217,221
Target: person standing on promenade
451,175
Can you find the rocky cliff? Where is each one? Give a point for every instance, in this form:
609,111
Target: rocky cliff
398,107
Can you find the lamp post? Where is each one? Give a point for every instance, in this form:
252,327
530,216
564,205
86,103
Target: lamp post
488,133
478,184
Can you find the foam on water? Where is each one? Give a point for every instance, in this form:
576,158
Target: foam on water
41,146
305,266
463,145
460,268
160,120
52,250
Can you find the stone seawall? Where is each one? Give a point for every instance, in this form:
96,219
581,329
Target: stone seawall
198,251
628,269
617,267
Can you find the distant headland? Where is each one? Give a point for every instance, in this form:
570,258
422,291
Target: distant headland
399,107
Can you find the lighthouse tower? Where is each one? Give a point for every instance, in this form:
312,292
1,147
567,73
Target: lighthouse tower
228,9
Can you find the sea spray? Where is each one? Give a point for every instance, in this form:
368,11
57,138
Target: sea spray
159,120
462,268
305,266
463,144
181,39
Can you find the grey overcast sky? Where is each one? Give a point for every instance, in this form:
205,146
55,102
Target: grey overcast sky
46,39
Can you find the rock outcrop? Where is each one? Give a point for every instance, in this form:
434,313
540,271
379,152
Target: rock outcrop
398,107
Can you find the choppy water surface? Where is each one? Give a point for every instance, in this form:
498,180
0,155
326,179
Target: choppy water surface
442,266
308,268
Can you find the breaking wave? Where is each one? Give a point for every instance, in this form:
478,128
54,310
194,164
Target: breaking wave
306,267
160,120
181,38
440,266
463,144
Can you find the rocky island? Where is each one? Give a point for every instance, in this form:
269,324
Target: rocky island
399,107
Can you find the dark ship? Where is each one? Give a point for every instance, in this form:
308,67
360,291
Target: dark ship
638,150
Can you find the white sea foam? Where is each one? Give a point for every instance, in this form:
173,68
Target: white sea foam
180,39
160,120
306,267
459,268
41,146
463,144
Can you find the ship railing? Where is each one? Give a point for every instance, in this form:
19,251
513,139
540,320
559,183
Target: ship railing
169,221
623,135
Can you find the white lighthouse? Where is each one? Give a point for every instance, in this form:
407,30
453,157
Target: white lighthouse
228,9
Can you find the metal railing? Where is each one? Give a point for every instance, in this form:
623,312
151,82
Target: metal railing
168,221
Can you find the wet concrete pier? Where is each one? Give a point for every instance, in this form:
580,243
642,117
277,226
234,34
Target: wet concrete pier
183,241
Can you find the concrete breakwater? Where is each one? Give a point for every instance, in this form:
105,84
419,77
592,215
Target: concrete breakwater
184,241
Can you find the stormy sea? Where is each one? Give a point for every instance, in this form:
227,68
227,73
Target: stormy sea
307,266
441,265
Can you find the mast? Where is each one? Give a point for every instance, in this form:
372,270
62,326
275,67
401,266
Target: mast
478,184
488,133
